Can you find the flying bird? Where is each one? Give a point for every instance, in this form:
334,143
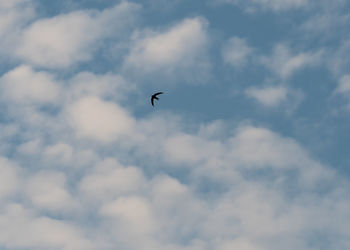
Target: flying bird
154,96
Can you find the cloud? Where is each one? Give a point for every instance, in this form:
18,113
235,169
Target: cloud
338,63
254,199
189,149
236,52
242,244
66,39
97,119
47,190
221,195
245,185
272,5
268,96
9,177
14,16
12,13
23,85
178,49
61,152
109,179
343,88
81,171
11,4
344,85
108,85
132,213
283,63
251,147
325,23
259,147
30,147
23,229
39,102
59,41
329,17
168,191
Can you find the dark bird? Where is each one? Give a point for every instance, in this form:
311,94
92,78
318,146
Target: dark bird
154,96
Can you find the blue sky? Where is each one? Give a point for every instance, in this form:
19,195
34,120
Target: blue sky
247,148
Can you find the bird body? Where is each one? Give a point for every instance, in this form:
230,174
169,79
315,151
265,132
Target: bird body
154,96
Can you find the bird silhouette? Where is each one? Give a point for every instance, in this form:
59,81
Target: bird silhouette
154,96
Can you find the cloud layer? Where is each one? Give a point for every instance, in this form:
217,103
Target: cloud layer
84,165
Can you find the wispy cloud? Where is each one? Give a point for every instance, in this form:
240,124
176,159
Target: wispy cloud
276,96
344,85
236,52
269,96
283,62
273,5
338,63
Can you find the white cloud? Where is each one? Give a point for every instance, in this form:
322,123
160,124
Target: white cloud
343,88
23,229
4,4
283,63
242,244
59,41
160,179
236,52
344,85
325,23
167,194
109,179
9,130
66,39
190,149
164,212
100,120
65,155
273,5
9,182
60,152
47,190
181,47
268,96
104,86
14,15
30,147
11,15
251,148
133,213
259,147
25,86
338,62
167,189
328,22
217,196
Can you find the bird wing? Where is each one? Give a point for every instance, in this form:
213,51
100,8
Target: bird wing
158,93
152,99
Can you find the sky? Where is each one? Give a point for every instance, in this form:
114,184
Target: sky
247,149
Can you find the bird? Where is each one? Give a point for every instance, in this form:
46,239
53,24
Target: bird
154,96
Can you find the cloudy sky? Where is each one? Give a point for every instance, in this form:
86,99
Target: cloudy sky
248,149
